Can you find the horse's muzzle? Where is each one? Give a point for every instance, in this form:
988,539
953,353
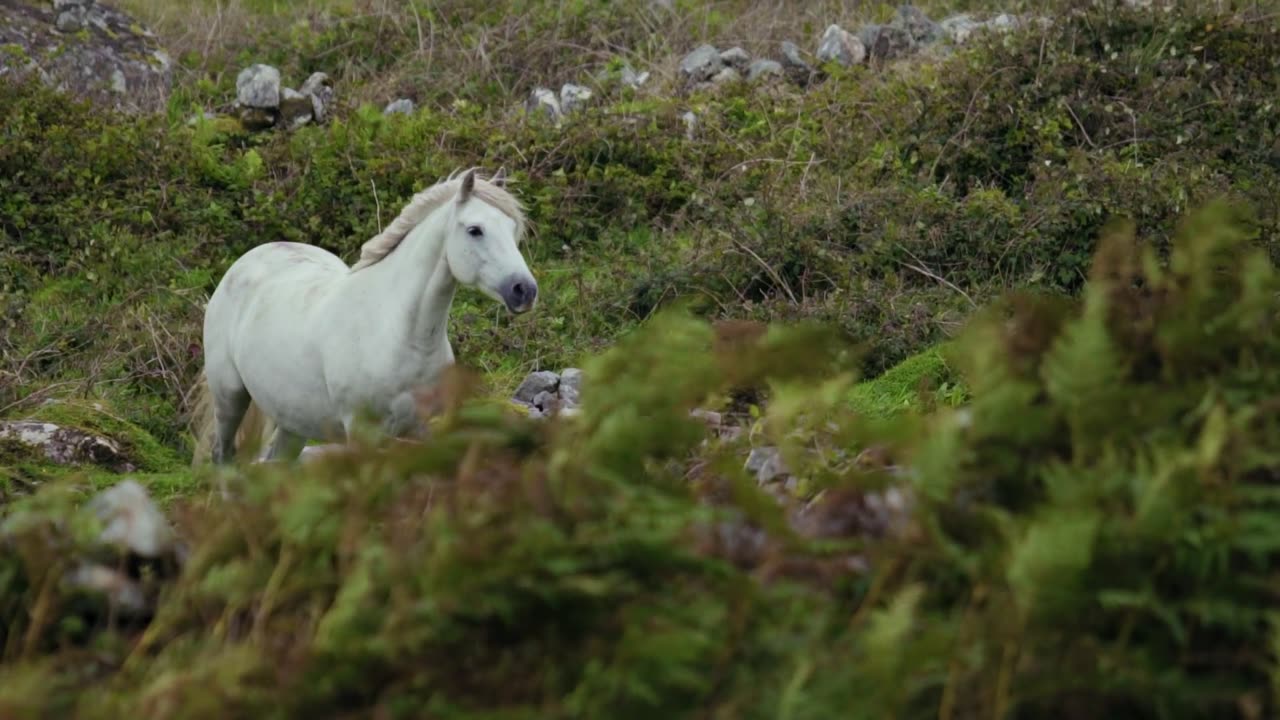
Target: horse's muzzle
519,293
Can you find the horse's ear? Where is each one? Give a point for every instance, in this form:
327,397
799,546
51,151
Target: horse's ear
500,178
468,185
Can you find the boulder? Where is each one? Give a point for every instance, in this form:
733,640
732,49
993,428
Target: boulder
916,24
535,383
319,88
543,100
886,42
840,46
573,97
258,86
795,65
764,69
736,57
701,65
296,109
132,522
88,50
403,106
66,445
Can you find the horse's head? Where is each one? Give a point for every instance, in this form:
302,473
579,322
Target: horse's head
482,244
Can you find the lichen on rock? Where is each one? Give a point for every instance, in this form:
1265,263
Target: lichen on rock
87,49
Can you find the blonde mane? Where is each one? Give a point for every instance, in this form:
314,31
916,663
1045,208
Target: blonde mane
426,202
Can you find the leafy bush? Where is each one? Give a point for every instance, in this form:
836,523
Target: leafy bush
1092,534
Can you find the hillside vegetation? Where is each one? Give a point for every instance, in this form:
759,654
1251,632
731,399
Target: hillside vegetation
1004,309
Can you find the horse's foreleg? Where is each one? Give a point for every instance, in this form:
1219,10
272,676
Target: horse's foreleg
284,445
229,408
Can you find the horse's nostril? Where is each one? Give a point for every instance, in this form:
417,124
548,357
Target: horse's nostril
518,290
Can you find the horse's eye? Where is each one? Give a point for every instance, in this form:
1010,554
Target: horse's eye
475,231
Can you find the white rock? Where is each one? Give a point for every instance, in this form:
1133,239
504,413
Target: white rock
841,46
701,65
132,520
404,106
573,97
258,86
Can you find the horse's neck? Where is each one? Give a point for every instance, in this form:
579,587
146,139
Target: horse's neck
411,290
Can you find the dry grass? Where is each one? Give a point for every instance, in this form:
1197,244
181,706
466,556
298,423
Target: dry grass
428,48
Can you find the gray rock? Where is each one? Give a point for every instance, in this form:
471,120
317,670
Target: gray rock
916,24
569,396
794,65
573,97
571,378
886,42
66,445
132,521
258,86
710,417
725,76
1004,21
701,65
960,28
690,124
839,45
258,118
543,100
296,109
87,50
764,69
736,57
403,106
121,591
632,79
72,18
319,88
537,382
766,463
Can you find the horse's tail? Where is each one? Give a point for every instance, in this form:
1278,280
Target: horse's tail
253,434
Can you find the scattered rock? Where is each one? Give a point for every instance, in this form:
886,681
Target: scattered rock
794,65
726,75
1004,21
766,463
960,28
849,512
573,97
736,57
710,417
319,88
701,65
632,79
86,49
839,45
916,24
537,382
571,378
886,42
66,445
258,86
764,69
547,402
403,106
72,18
132,521
690,124
257,118
296,109
120,590
543,100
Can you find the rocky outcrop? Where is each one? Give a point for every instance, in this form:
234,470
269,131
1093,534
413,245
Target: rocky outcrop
65,445
87,49
264,102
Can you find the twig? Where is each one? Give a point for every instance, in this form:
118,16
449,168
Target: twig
930,274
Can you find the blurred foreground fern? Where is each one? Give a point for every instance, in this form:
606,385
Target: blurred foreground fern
1093,535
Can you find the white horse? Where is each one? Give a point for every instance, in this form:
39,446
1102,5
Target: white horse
313,344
